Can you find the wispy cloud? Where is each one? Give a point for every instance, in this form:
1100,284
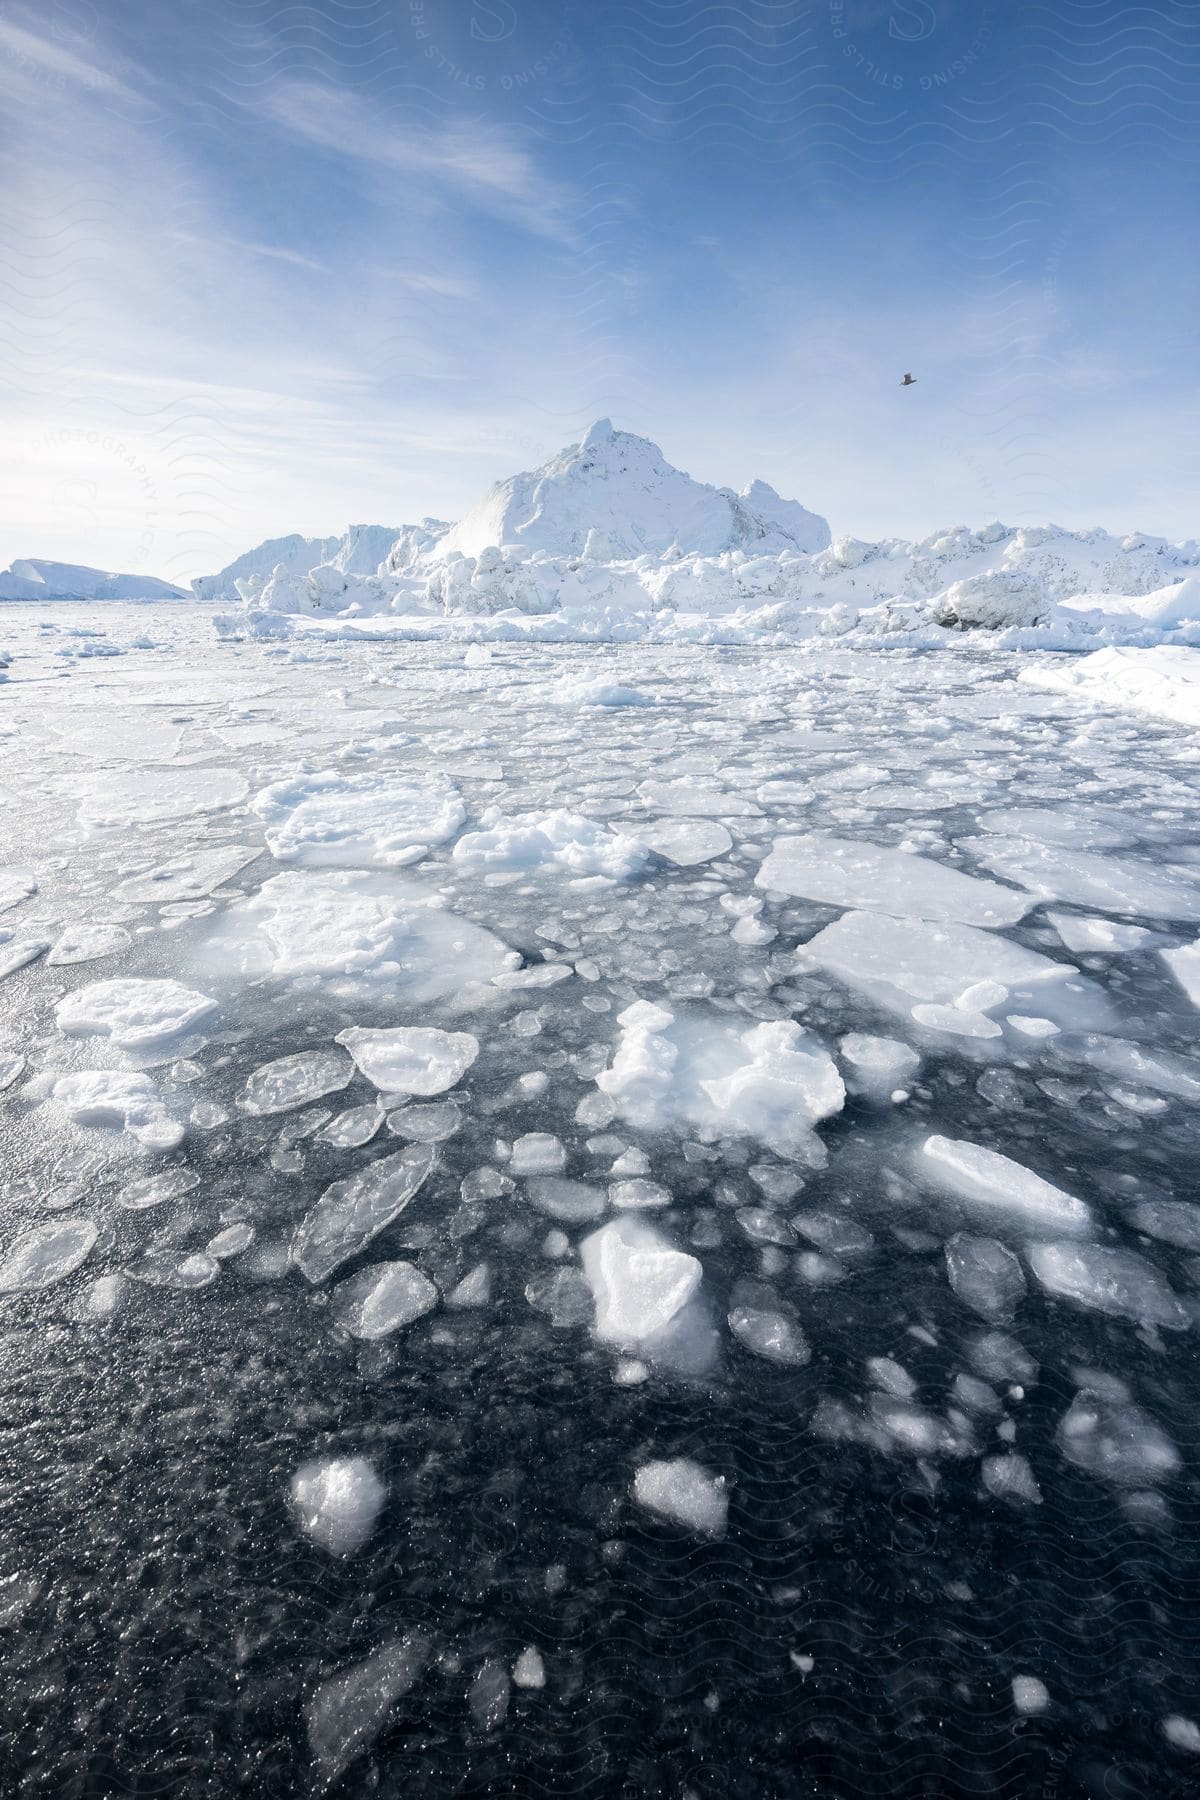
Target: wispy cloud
460,161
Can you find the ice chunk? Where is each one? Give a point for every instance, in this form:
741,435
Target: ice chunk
538,1153
190,876
993,1183
353,1211
338,1502
489,1695
984,1275
1184,965
11,1070
1009,1477
637,1194
411,1059
1030,1696
88,943
381,1298
1171,1221
529,1671
137,1014
339,924
1158,1069
348,1711
47,1255
123,798
847,872
358,821
768,1327
154,1190
688,798
681,1490
771,1082
1083,935
1182,1734
1086,878
291,1081
355,1127
475,1289
231,1241
1118,1282
559,840
126,1101
18,953
877,1066
684,842
16,884
1000,1357
1115,1440
897,962
640,1285
570,1201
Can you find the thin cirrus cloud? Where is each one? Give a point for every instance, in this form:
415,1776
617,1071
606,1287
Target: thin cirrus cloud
464,162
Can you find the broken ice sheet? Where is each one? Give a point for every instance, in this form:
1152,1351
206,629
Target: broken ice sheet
848,872
348,1711
411,1059
356,1209
357,821
47,1255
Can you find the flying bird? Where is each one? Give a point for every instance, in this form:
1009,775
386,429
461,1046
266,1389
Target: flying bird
909,381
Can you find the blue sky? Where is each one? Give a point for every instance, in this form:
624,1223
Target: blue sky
279,268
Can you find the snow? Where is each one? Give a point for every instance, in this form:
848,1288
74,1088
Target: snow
987,1182
292,1081
682,1491
135,1013
772,1081
846,872
129,1102
357,821
1114,1281
558,840
338,1502
1161,681
411,1059
47,1255
381,1298
356,1209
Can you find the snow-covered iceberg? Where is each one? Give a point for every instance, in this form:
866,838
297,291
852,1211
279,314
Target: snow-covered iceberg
33,578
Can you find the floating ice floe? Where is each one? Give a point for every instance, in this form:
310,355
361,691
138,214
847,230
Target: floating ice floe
193,875
685,797
338,1502
1103,1432
16,884
680,1490
47,1255
984,1275
996,1185
148,1191
1103,1279
950,977
356,1209
297,1080
88,943
770,1081
1162,681
18,953
645,1293
411,1059
846,872
348,1711
767,1326
381,1298
684,842
1184,965
559,840
339,924
1161,1070
136,1013
129,1102
876,1066
1086,878
376,820
121,799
